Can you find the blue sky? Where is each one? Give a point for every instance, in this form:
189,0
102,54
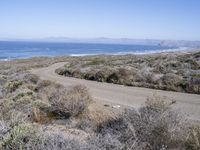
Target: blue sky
152,19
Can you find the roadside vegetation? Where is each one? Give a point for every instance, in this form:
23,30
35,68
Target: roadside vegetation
172,72
39,114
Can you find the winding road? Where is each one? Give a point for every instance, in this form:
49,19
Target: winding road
107,93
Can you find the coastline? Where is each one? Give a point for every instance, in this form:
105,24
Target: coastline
145,52
32,84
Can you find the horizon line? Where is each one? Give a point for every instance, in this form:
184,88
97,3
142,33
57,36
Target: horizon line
90,38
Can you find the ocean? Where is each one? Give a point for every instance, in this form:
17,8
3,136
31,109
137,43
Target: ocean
20,50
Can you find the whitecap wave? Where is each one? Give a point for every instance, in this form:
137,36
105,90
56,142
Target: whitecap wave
5,59
134,52
77,55
151,51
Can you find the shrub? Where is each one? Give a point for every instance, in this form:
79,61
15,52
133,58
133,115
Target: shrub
100,76
2,81
8,122
43,84
23,136
103,142
89,75
170,72
77,73
117,128
12,86
113,78
194,65
66,103
31,78
40,116
64,71
4,128
193,140
60,141
153,126
193,84
21,95
171,81
95,62
157,124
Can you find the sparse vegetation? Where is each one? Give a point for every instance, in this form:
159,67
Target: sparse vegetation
193,141
153,126
23,136
64,103
174,72
39,114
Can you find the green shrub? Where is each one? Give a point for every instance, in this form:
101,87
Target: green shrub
10,120
64,71
194,65
101,76
169,72
12,86
94,62
184,85
21,95
23,136
171,81
89,76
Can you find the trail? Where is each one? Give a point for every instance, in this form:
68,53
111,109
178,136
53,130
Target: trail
105,93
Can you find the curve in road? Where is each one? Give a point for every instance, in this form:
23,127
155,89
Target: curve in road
189,104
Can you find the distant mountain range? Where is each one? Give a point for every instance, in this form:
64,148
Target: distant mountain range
171,43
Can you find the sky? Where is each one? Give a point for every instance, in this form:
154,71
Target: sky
137,19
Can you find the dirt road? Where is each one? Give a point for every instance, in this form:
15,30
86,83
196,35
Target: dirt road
105,93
